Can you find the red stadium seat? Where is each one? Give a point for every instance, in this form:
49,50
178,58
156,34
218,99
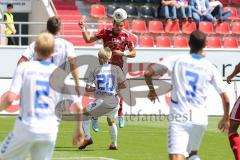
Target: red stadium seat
104,24
180,42
206,27
214,42
98,11
163,41
172,27
139,26
234,15
222,28
236,28
188,27
155,27
146,41
230,42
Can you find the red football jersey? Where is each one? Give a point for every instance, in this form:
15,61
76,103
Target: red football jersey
115,42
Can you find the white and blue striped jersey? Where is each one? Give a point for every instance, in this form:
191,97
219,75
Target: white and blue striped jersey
192,76
106,79
37,99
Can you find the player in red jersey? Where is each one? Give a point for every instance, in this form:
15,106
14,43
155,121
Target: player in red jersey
117,40
234,138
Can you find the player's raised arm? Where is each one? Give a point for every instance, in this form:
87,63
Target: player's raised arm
234,73
86,36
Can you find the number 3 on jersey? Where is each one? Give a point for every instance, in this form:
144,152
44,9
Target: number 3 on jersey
192,82
105,82
42,90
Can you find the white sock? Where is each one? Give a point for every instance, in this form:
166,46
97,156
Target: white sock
86,128
113,134
194,157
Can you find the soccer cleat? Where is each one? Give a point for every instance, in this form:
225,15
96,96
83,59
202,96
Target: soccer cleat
86,143
95,125
121,121
112,147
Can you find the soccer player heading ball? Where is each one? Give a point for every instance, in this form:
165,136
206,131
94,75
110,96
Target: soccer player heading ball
117,40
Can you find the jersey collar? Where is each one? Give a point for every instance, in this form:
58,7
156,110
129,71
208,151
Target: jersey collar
196,56
105,65
44,62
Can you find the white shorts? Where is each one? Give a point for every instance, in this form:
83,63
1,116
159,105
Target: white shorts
19,144
99,108
184,138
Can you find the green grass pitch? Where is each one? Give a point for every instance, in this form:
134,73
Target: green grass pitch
141,139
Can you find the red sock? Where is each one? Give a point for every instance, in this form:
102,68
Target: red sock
120,112
234,140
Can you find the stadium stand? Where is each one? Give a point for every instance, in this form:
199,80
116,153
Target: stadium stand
143,19
214,42
163,41
230,42
222,28
180,42
146,41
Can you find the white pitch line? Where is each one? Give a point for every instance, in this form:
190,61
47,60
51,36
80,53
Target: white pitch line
82,158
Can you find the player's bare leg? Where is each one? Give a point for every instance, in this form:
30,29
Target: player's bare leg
121,121
113,134
176,157
78,132
234,138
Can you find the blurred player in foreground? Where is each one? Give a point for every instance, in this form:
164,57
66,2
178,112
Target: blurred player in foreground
36,127
117,40
192,76
64,51
234,138
105,81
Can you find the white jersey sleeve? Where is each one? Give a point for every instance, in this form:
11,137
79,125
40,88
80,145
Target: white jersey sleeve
17,80
217,81
169,62
70,50
165,65
29,52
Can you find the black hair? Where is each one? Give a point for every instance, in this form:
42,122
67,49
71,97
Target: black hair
197,41
9,5
54,25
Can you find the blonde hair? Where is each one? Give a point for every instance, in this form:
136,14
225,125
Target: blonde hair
44,45
105,53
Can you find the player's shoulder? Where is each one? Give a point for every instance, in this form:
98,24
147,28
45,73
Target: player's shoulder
62,41
26,65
